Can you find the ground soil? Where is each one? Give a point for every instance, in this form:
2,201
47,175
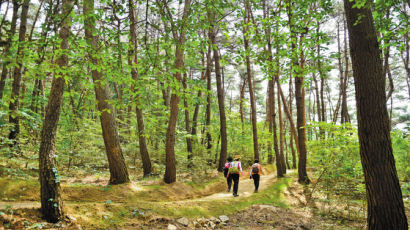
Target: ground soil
298,214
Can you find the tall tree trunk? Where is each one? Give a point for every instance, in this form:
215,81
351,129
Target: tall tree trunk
133,61
6,50
241,100
221,103
289,115
271,95
317,98
385,207
280,159
300,98
405,53
322,106
15,92
220,92
116,161
301,123
281,152
50,192
187,121
250,84
345,114
292,130
339,58
208,98
170,167
199,96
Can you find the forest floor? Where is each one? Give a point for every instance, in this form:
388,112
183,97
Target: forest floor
150,204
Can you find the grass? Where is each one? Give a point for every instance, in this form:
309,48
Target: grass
100,215
17,189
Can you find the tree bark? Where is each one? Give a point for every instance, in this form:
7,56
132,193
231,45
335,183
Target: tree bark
250,84
385,207
301,122
15,92
339,58
300,98
50,192
170,167
292,129
187,121
281,152
197,103
133,62
345,114
116,161
289,115
6,51
220,92
208,98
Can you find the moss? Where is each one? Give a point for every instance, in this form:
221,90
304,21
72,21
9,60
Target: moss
17,189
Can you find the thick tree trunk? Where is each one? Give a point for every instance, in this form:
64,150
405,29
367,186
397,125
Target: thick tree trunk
250,84
51,201
15,91
116,161
300,99
6,50
220,92
221,105
301,123
384,197
133,61
170,167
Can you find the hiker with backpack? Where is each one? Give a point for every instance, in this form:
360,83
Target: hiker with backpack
226,169
255,174
234,171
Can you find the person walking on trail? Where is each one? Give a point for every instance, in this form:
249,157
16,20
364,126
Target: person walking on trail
255,174
226,169
235,171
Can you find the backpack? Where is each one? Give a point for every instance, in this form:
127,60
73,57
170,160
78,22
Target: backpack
234,169
255,169
226,169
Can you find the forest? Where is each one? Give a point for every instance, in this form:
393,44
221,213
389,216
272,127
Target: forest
122,114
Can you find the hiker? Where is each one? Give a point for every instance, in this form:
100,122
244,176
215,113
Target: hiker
255,174
234,171
226,169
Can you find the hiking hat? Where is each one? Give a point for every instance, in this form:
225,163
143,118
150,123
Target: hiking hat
237,157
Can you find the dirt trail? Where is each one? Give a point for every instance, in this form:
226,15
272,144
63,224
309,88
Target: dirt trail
246,188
